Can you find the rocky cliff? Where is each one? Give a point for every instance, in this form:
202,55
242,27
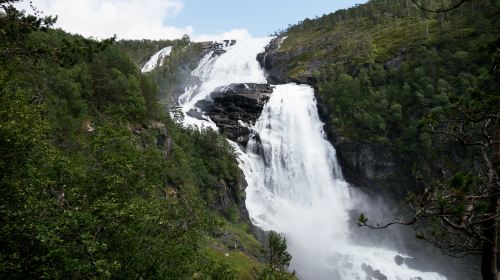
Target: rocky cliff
234,108
370,166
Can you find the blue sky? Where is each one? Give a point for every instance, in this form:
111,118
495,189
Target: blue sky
259,17
170,19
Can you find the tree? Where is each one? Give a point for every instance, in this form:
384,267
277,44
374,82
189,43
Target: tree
186,39
278,257
16,26
461,213
177,114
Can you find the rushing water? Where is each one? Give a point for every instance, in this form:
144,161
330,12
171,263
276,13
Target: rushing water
156,60
237,65
295,185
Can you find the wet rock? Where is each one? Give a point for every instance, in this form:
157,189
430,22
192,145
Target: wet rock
399,260
197,114
215,47
273,61
163,139
235,108
228,43
373,273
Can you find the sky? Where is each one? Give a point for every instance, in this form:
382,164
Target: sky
202,20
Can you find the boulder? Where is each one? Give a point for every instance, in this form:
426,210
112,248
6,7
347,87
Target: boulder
235,108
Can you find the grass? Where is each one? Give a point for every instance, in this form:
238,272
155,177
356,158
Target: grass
244,257
243,264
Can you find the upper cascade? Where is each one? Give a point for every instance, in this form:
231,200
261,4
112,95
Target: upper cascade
157,59
235,108
237,64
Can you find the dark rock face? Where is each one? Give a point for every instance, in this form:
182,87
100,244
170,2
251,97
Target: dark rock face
236,106
164,141
370,166
399,260
232,193
218,48
375,169
373,273
278,63
272,61
395,63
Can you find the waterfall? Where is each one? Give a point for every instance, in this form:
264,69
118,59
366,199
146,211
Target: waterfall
157,59
295,185
237,64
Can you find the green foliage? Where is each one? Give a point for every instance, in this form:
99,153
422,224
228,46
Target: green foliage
362,219
16,28
176,67
97,182
278,257
386,70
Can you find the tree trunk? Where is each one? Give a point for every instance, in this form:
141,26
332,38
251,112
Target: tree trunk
490,229
489,255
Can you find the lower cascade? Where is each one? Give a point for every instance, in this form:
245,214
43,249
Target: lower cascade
295,185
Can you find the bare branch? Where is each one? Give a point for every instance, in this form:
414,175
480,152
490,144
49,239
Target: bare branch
365,224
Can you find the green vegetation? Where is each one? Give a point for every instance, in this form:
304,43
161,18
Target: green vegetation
176,68
385,69
97,181
425,86
278,259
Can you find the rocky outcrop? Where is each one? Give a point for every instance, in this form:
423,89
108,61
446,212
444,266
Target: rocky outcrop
370,166
281,66
275,62
376,169
217,48
163,140
235,107
232,194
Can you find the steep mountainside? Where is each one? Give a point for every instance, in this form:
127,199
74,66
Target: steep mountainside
381,70
173,74
97,180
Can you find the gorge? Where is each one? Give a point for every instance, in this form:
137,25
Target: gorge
362,144
295,184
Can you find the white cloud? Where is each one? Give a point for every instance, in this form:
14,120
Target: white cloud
128,19
235,34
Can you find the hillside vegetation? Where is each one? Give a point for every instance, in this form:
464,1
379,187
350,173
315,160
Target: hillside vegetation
171,77
97,180
411,101
386,68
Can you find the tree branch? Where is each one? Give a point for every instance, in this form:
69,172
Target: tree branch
365,224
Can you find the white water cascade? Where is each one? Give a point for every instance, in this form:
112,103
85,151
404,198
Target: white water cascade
237,65
295,185
156,60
